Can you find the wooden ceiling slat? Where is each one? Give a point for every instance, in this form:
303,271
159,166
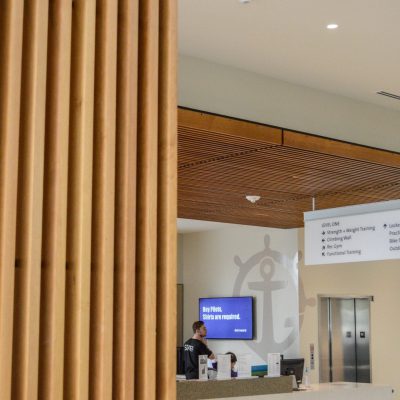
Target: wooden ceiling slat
216,158
222,159
300,171
245,188
277,155
231,194
277,181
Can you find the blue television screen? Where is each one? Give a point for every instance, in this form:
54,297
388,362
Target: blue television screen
227,317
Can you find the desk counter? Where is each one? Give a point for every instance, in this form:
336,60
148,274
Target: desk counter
329,391
216,389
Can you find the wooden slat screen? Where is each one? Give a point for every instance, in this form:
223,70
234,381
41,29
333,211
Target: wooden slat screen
88,199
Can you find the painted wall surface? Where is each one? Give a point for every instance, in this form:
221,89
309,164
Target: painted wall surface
246,261
233,92
380,279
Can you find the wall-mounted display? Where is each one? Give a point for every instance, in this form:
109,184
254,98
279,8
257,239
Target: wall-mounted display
227,317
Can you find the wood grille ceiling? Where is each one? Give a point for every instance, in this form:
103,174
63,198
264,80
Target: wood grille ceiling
220,160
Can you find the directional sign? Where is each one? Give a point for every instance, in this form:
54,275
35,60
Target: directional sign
352,238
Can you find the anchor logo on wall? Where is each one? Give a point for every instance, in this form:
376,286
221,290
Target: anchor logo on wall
267,261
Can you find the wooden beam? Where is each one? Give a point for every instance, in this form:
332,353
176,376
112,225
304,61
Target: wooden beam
342,149
228,126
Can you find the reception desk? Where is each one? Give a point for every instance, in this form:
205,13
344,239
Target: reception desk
328,391
217,389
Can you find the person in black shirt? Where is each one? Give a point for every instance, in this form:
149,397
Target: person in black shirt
193,348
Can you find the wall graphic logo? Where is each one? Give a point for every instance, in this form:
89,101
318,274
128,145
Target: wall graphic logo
260,273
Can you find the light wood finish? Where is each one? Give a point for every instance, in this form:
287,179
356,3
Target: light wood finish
337,148
76,369
30,202
88,196
51,361
102,279
167,205
228,126
11,25
146,244
217,171
125,202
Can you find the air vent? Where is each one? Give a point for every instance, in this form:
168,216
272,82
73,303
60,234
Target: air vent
391,95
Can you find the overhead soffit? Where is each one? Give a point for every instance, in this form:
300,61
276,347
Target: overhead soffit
221,159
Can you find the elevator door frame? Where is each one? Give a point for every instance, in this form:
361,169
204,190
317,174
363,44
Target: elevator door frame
345,297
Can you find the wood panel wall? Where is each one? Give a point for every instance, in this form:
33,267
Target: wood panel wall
88,187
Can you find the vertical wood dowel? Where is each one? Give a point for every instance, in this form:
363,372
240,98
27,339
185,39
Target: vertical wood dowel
102,280
30,202
125,206
146,258
52,309
167,202
79,217
11,25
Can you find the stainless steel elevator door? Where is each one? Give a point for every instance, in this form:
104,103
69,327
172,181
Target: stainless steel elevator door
362,308
324,340
344,339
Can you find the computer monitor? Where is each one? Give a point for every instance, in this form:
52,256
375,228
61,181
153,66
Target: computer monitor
293,366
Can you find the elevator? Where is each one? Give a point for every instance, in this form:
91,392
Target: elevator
344,339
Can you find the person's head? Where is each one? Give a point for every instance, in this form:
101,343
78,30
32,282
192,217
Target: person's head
233,358
199,328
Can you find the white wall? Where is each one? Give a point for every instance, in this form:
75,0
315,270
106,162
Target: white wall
211,269
237,93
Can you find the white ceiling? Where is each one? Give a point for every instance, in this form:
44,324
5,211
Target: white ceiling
288,40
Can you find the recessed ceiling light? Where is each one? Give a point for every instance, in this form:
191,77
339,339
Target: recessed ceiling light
244,1
332,26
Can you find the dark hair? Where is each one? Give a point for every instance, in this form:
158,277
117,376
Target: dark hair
233,356
197,325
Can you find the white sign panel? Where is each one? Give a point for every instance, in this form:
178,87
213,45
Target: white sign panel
224,366
352,238
274,364
244,365
203,369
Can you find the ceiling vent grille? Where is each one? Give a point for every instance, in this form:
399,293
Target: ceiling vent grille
391,95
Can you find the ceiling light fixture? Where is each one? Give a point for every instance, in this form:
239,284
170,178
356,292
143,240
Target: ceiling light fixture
253,198
332,26
244,1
